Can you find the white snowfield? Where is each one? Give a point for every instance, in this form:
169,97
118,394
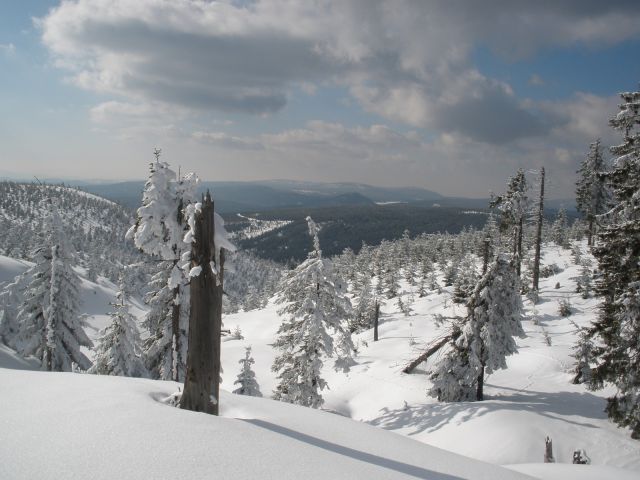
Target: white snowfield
74,426
69,426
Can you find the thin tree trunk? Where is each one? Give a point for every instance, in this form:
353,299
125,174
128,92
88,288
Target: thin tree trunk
376,320
590,232
536,261
480,389
175,336
201,386
485,255
519,253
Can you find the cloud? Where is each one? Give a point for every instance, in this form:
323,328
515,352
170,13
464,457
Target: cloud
403,60
536,80
8,49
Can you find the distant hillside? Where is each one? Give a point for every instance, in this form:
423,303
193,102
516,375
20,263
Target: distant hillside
350,226
95,227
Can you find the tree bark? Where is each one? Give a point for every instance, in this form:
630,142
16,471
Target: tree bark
485,255
536,261
205,320
376,321
175,336
480,388
519,253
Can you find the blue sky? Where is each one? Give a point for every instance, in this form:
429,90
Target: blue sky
441,95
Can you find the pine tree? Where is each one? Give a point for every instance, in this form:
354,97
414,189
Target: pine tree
246,381
117,348
617,329
494,314
592,195
159,231
314,307
514,204
50,328
560,229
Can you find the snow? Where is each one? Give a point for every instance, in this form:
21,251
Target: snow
559,471
113,427
533,398
99,419
10,268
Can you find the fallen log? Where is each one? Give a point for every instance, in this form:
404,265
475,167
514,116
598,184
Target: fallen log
433,349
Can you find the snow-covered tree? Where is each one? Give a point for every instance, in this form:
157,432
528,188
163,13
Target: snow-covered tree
246,381
617,329
361,318
315,307
50,328
159,231
592,195
514,204
560,229
494,314
117,351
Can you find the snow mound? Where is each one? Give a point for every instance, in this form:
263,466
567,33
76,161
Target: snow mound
112,427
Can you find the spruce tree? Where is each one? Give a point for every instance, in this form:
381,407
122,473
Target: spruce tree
315,307
50,328
117,351
494,314
246,381
592,195
159,231
617,329
514,205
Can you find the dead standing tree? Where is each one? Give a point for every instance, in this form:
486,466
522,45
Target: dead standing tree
202,382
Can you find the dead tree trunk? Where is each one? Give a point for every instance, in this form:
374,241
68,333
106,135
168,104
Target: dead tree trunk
175,336
201,386
536,260
480,387
425,356
548,451
519,246
376,321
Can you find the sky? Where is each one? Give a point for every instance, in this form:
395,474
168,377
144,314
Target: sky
451,96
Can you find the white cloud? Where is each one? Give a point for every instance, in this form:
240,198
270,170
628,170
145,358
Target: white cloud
8,49
406,61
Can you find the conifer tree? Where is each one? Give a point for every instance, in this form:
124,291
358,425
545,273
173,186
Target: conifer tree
117,351
159,231
514,204
494,314
560,229
50,328
592,195
315,306
617,328
246,381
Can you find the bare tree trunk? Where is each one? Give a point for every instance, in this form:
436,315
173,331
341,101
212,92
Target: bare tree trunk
519,253
548,451
480,388
590,232
175,336
536,261
376,320
205,320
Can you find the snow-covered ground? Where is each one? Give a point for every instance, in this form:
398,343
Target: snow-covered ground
532,399
81,426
